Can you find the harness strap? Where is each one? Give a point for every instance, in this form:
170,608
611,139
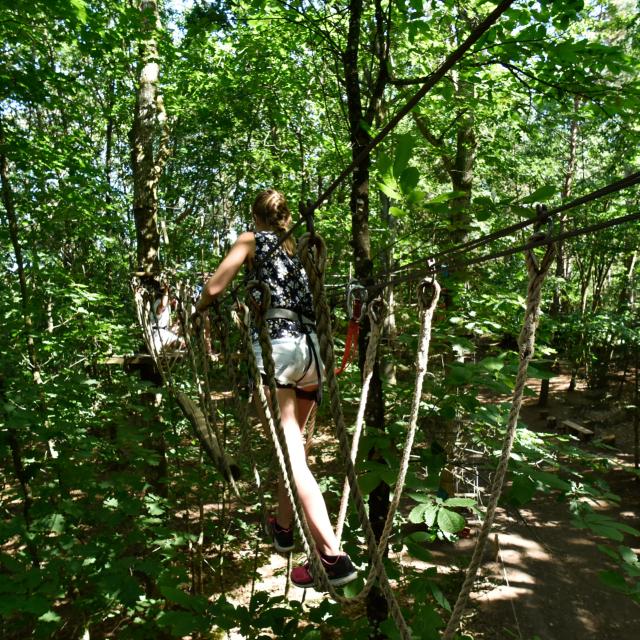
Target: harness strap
308,327
288,314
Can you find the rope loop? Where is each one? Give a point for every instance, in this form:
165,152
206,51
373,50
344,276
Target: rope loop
357,295
428,292
261,303
376,310
312,249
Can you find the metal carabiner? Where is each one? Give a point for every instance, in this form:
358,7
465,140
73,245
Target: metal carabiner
356,293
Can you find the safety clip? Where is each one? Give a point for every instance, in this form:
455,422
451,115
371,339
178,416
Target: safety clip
357,296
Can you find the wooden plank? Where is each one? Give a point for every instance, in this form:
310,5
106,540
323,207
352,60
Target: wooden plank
577,429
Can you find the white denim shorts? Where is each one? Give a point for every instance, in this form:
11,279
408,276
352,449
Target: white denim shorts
294,361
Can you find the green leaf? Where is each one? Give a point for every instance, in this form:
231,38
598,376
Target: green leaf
389,191
628,555
450,521
430,514
539,374
418,552
368,482
614,580
409,179
445,197
521,491
607,532
492,364
459,502
50,616
540,195
182,623
403,154
439,596
397,213
416,514
385,166
352,589
80,8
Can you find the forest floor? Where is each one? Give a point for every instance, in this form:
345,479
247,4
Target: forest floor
540,576
539,579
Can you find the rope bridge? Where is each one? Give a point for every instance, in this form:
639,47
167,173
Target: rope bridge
200,412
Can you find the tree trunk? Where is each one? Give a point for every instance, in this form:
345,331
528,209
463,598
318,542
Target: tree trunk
561,270
149,128
12,434
361,244
462,166
146,169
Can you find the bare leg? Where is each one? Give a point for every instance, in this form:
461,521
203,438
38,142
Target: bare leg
309,492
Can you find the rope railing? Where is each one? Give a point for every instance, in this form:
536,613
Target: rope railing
540,241
537,274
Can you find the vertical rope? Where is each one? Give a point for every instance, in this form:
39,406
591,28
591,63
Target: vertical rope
526,341
376,313
428,296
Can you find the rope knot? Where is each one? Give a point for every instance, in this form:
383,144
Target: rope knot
428,292
241,314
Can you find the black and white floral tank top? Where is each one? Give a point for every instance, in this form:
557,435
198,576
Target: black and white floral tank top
287,280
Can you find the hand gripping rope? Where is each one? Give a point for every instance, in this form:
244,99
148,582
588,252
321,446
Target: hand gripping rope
537,273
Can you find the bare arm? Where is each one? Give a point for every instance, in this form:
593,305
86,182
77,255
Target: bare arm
243,248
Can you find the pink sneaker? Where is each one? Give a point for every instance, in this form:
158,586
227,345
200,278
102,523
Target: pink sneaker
340,571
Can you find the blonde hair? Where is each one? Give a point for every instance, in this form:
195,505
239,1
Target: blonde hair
271,209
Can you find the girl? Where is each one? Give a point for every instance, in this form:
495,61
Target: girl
298,369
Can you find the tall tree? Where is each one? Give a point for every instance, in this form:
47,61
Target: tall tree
149,151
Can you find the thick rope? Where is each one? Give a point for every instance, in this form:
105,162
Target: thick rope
312,252
376,312
526,341
428,296
165,361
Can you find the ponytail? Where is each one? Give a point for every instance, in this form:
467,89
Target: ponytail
271,208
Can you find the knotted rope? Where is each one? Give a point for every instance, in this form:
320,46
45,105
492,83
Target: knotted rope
313,255
199,414
537,273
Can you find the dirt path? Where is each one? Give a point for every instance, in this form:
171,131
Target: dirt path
540,579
